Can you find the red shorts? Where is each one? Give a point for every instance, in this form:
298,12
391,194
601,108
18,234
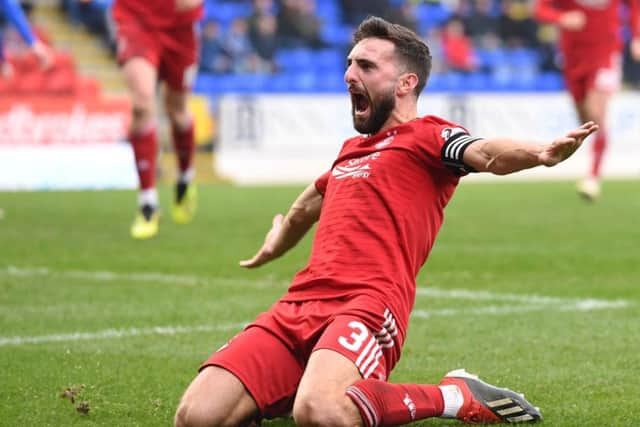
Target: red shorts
270,355
173,52
587,71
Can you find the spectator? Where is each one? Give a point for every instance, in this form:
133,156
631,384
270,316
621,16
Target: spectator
402,14
213,58
237,46
517,28
298,25
263,32
481,24
14,13
457,47
355,11
264,40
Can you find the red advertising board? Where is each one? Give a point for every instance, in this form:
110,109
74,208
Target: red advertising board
63,120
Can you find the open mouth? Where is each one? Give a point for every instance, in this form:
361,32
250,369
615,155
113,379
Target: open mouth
360,103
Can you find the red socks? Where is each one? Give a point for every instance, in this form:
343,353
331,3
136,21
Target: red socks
184,144
385,404
599,146
145,151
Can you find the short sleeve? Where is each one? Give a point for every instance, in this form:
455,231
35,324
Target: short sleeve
322,181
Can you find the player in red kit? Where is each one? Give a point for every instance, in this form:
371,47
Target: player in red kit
324,351
591,44
157,41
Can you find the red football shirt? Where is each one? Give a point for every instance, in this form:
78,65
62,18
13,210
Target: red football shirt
156,13
604,23
382,208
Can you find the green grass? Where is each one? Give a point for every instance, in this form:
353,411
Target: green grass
580,366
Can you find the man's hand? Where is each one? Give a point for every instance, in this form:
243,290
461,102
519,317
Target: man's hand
573,20
562,148
43,53
266,252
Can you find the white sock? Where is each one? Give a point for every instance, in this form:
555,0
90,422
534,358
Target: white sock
453,400
187,176
148,197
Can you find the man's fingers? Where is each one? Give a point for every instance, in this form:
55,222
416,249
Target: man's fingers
248,263
277,220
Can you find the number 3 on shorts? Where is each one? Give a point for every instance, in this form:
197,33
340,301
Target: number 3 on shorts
357,337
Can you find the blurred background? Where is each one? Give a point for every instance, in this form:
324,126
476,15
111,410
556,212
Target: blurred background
269,99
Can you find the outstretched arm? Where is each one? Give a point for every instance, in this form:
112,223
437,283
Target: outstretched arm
502,156
286,231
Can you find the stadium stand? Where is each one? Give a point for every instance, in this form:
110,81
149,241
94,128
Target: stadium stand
300,45
310,57
501,60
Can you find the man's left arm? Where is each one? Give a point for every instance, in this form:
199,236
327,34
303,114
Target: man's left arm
502,156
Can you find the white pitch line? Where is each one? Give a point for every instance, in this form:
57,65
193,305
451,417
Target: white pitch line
111,276
527,303
498,310
522,298
117,333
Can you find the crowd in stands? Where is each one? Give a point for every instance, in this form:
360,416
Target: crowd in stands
300,45
476,44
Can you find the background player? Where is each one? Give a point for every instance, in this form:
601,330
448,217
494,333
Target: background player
326,348
591,44
14,14
157,40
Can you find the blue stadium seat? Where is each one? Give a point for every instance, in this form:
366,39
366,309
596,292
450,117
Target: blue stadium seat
549,81
294,59
226,12
329,12
337,35
329,60
430,15
477,82
331,82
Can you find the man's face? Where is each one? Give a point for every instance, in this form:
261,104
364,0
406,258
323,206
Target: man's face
371,76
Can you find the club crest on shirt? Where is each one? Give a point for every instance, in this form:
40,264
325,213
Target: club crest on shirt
447,133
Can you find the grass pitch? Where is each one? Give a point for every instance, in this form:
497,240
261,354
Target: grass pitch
527,286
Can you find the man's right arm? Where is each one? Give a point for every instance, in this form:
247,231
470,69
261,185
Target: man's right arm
286,231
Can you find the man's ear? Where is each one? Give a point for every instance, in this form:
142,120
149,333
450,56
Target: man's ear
407,83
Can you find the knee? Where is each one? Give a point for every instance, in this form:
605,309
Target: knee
190,414
320,411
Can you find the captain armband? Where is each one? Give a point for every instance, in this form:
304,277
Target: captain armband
456,142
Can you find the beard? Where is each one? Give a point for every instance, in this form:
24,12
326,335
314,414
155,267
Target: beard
379,114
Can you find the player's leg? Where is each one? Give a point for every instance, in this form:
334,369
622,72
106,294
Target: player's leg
321,398
600,86
140,76
178,69
253,376
594,107
137,55
182,131
341,386
350,361
215,397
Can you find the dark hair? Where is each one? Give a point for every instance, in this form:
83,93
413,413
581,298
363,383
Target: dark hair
410,49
